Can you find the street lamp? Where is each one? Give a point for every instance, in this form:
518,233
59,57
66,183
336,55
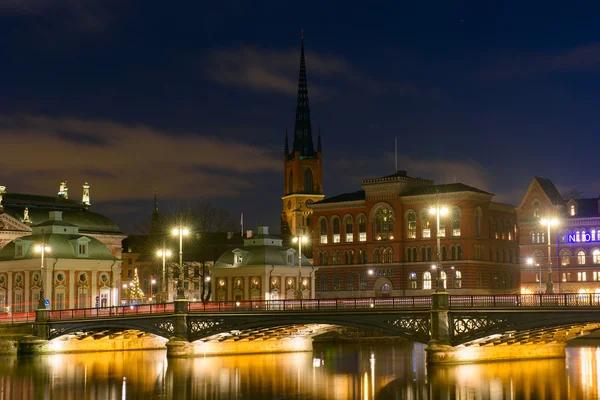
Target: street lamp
126,287
43,249
437,211
549,222
164,253
181,232
299,239
530,262
152,282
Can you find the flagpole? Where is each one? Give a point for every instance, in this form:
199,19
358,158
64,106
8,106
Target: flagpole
242,225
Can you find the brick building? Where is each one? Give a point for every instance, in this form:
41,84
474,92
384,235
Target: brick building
381,240
572,247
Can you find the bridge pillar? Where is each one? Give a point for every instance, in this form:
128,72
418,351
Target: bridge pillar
439,346
40,327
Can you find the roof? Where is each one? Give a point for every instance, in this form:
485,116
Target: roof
61,248
57,203
586,208
550,190
340,198
259,256
445,188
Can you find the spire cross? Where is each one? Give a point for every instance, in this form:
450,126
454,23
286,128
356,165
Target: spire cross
302,32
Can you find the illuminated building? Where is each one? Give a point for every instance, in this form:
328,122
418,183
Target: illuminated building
303,182
573,247
381,240
263,269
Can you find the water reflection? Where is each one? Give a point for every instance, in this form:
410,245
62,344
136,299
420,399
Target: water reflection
365,372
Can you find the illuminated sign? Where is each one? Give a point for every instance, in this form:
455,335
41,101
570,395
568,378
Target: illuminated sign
579,238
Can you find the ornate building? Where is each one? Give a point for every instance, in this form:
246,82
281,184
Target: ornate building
381,241
263,269
303,182
563,257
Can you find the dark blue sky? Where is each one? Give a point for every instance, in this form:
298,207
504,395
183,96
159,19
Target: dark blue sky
194,98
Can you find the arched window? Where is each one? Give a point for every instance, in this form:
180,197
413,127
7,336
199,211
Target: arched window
423,254
536,209
389,255
349,282
478,222
308,181
428,253
411,225
362,281
491,228
444,253
412,280
349,255
385,287
596,256
323,283
425,224
498,229
456,215
335,257
291,183
336,282
581,257
453,252
565,257
459,252
572,210
323,230
362,256
457,279
362,228
384,223
336,229
414,254
376,256
426,280
349,227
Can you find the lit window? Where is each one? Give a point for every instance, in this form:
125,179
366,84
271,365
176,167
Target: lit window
411,225
596,256
412,280
457,279
442,229
536,209
581,257
443,279
336,230
362,228
349,229
323,231
565,259
384,223
572,210
427,280
581,276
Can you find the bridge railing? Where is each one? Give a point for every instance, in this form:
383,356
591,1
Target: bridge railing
112,311
15,318
314,304
526,300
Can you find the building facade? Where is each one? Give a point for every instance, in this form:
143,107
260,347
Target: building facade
303,176
382,240
75,270
563,256
263,269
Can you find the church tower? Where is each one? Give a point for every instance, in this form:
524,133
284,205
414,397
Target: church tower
303,177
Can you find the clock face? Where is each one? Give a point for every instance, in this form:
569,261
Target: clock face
289,204
309,203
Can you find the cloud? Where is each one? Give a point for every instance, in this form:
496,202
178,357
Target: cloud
526,65
124,162
277,71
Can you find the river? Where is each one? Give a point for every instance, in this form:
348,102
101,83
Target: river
331,371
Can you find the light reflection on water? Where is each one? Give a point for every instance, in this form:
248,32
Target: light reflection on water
365,372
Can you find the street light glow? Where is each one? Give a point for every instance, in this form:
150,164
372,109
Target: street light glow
167,253
304,239
39,248
529,261
434,210
550,222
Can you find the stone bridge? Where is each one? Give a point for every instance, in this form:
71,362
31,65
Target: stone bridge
457,328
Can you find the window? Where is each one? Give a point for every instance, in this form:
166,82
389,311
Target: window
349,282
362,281
444,254
426,280
323,283
443,278
376,256
498,229
536,209
349,257
290,259
362,256
596,256
129,273
362,228
384,223
478,222
308,181
581,277
442,228
130,261
349,229
291,183
238,258
336,229
323,258
411,225
459,252
457,279
335,258
389,256
572,210
426,228
456,214
565,258
19,250
412,280
82,249
323,230
581,257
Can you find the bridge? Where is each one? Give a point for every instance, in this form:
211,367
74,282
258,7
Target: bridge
445,322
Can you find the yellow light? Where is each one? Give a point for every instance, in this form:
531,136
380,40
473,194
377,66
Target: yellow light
124,286
159,253
38,248
553,221
444,211
168,253
304,239
370,272
295,240
185,231
432,210
529,261
175,231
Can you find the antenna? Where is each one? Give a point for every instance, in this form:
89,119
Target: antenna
396,153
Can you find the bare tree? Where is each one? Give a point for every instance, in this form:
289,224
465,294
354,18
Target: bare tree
572,194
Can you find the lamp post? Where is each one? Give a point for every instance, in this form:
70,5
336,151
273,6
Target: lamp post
152,282
126,287
181,231
164,253
42,248
437,211
299,239
530,262
549,285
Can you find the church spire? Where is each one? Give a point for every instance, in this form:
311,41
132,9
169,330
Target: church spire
319,149
302,130
286,149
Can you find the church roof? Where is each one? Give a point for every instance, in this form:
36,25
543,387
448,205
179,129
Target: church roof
444,188
340,198
550,190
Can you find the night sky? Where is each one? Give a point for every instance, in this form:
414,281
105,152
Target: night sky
194,98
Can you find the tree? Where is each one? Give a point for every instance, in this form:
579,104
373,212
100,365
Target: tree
135,291
572,194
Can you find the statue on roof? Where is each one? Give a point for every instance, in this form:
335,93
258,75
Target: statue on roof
63,191
26,215
86,194
2,191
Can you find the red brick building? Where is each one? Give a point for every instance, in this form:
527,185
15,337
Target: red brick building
381,241
572,247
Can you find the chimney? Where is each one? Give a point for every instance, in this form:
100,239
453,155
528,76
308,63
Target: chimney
55,215
249,233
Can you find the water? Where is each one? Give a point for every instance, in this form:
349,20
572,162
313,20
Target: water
366,371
